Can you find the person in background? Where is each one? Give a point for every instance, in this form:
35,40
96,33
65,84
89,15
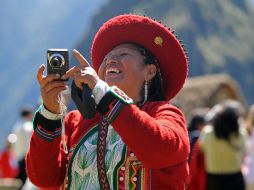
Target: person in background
223,144
23,131
8,162
249,159
136,139
196,124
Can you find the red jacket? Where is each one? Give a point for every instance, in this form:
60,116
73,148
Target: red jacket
8,164
197,169
156,134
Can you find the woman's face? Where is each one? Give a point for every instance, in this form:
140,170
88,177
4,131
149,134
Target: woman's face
124,67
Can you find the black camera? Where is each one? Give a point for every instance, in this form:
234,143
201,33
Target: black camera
57,61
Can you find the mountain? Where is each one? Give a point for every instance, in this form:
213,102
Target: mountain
28,29
217,34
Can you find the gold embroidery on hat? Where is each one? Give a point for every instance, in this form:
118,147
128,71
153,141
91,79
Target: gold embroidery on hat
158,40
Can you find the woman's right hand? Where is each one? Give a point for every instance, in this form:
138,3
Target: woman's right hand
50,88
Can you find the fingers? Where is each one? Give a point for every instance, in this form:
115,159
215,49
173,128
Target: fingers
40,73
52,95
50,91
49,79
87,76
81,59
72,72
43,80
76,70
55,84
51,86
81,76
79,81
50,98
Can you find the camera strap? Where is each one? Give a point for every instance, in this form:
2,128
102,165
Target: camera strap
63,113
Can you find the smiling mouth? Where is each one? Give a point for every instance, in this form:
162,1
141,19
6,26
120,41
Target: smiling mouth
112,71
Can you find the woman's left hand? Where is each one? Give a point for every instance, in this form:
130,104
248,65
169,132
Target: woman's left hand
84,74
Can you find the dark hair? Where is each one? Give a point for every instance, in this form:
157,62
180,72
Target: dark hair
155,92
226,123
196,121
25,111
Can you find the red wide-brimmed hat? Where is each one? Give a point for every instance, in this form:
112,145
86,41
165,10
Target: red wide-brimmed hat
152,35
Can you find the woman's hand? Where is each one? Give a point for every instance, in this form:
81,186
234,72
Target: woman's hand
84,74
50,87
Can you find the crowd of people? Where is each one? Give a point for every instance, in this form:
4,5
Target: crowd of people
12,157
135,138
222,154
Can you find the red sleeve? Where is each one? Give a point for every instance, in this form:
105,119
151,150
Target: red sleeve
157,135
45,163
46,160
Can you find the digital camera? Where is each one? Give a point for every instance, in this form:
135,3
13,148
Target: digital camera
57,61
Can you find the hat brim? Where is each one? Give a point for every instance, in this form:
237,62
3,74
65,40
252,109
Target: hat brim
154,36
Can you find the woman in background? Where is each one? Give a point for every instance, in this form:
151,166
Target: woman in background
224,144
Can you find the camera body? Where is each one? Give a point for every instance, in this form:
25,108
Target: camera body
57,61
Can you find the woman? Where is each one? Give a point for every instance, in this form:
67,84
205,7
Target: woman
136,140
223,145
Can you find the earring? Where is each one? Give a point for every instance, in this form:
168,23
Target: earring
145,94
146,91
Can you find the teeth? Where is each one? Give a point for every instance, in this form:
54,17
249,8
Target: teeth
111,70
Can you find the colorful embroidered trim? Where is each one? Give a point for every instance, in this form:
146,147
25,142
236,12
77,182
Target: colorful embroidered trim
114,112
120,94
49,136
45,128
101,147
101,152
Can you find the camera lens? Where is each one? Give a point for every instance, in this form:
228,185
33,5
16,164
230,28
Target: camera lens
56,60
